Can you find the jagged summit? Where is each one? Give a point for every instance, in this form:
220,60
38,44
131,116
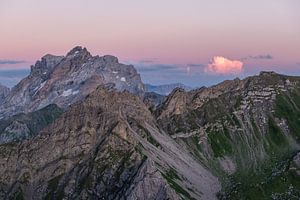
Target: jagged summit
44,66
262,73
79,51
110,59
64,80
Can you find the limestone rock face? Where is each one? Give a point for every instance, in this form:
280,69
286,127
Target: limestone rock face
63,80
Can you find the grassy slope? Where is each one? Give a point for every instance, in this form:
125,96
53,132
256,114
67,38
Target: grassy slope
273,179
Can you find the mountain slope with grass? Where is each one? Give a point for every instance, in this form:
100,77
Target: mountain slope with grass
246,131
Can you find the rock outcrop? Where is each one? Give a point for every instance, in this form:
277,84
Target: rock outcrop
63,80
152,99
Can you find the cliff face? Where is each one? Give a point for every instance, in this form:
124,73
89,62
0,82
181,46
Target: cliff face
63,80
246,131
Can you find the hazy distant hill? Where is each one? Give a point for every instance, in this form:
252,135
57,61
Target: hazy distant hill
165,89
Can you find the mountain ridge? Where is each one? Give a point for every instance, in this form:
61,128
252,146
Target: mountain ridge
239,127
117,123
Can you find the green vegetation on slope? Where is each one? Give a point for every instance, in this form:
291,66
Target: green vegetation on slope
289,110
220,143
272,179
171,176
275,143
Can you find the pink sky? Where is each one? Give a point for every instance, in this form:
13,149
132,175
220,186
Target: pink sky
170,31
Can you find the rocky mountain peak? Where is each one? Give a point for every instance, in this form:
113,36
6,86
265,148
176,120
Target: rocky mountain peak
175,103
64,80
110,59
177,91
267,73
45,66
267,79
79,51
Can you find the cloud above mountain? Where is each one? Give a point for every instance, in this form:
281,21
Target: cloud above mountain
266,57
10,62
259,57
223,66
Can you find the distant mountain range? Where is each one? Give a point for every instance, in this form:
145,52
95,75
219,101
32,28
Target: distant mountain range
165,89
86,127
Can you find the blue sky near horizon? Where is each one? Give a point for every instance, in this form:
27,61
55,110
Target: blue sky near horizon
155,74
195,42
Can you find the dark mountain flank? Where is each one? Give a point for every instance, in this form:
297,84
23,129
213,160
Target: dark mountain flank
23,126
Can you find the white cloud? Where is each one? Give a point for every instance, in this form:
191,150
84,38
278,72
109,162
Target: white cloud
224,66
